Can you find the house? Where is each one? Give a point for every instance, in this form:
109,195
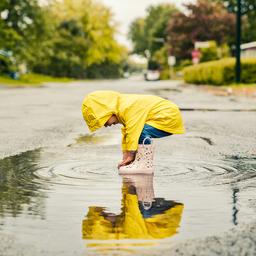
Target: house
248,50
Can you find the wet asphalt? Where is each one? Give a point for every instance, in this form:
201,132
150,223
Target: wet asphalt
220,138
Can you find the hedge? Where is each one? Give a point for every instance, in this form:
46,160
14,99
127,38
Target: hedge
220,72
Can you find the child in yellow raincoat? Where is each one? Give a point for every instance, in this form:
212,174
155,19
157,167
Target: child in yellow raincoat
142,117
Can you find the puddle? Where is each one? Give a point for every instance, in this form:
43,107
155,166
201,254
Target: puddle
19,190
154,218
70,202
103,138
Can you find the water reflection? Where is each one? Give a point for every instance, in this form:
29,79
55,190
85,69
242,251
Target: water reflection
143,216
235,208
97,139
91,139
18,189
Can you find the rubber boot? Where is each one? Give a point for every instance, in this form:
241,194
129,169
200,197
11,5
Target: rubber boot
143,184
143,163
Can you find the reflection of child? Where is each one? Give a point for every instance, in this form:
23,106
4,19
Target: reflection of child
160,220
142,117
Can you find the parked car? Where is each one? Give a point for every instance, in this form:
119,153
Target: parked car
153,71
152,75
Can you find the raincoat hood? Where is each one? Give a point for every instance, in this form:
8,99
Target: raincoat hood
98,107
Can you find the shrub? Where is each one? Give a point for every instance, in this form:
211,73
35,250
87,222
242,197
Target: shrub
220,72
6,65
184,63
209,53
165,74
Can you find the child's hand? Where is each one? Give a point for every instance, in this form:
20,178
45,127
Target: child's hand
125,162
128,157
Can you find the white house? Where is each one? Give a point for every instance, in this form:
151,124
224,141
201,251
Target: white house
248,50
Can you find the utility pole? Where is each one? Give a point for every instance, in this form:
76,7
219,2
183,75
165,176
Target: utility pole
238,42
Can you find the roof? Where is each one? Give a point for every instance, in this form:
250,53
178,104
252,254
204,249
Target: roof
248,45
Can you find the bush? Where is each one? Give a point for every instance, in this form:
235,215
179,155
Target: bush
107,70
209,53
220,72
165,74
6,65
184,63
32,78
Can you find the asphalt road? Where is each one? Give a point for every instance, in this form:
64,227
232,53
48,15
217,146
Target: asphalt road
217,127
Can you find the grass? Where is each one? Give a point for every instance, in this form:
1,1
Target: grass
31,80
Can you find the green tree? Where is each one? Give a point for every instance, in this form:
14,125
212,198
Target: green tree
150,33
82,43
20,24
137,36
249,30
248,8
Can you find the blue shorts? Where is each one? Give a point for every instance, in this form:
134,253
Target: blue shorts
151,132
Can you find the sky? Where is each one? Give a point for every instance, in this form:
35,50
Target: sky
125,11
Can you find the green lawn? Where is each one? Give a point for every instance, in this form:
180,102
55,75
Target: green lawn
31,80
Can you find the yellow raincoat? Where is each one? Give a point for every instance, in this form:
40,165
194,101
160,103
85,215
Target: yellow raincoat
133,111
130,223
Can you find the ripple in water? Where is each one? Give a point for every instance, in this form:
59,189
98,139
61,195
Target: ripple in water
76,172
228,171
65,193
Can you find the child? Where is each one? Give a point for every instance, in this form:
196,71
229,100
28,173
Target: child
143,117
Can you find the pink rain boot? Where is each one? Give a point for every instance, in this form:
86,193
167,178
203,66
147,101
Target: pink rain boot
144,187
143,163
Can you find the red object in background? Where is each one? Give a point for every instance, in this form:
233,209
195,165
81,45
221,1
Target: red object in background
196,54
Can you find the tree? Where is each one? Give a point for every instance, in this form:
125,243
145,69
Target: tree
137,36
248,10
249,28
150,33
240,8
204,21
20,24
74,38
82,43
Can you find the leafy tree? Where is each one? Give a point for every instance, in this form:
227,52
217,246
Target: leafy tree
73,38
137,36
204,20
82,42
20,23
248,9
150,33
249,31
